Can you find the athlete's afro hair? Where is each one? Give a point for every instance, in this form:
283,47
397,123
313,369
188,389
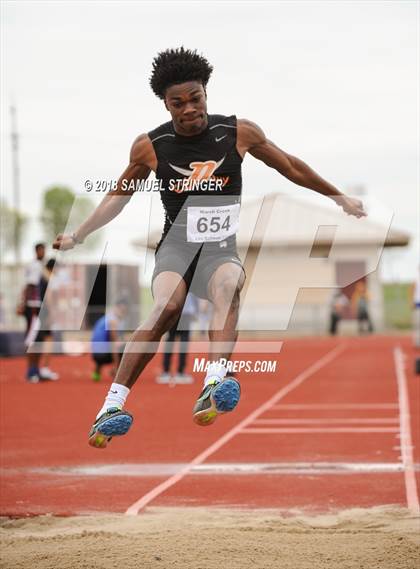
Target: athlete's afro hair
175,66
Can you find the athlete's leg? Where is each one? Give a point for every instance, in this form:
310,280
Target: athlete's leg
224,292
169,291
221,394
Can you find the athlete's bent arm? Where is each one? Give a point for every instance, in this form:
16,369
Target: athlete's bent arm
252,139
141,163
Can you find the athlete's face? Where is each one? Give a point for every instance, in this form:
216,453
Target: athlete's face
187,104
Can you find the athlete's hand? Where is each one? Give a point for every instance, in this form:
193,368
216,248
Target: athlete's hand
352,206
64,242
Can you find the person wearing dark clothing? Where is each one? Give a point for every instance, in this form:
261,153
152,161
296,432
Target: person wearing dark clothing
181,330
338,305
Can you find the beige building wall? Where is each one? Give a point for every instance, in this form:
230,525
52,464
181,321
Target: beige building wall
287,290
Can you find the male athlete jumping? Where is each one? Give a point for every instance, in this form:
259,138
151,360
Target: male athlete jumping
197,157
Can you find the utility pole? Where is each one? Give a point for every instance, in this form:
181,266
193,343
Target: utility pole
16,182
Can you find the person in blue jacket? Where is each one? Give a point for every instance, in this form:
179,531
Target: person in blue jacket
106,349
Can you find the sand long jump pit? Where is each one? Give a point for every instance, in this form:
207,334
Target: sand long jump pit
196,538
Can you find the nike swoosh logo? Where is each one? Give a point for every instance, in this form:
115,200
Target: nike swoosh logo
221,138
113,391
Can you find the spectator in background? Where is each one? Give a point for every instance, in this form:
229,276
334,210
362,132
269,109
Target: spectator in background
204,316
45,320
338,305
106,349
29,307
181,329
360,303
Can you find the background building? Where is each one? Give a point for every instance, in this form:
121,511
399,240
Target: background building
297,253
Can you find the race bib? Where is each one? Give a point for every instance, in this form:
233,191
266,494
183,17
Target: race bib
212,223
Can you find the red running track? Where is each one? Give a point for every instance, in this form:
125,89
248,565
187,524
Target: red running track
336,426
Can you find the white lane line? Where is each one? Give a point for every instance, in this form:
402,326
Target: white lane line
405,430
226,468
199,459
335,406
328,421
273,430
299,468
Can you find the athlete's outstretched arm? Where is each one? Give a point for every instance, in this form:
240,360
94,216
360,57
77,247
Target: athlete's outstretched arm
253,140
142,161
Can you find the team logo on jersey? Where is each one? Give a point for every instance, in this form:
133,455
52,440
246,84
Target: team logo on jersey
198,177
200,170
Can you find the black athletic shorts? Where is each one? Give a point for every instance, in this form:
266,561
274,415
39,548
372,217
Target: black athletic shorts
39,335
103,359
195,262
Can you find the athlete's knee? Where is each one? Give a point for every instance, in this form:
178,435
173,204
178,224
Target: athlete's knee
228,291
166,309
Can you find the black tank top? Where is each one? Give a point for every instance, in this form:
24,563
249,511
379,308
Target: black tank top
197,169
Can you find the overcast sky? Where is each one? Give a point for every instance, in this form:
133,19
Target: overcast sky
335,83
